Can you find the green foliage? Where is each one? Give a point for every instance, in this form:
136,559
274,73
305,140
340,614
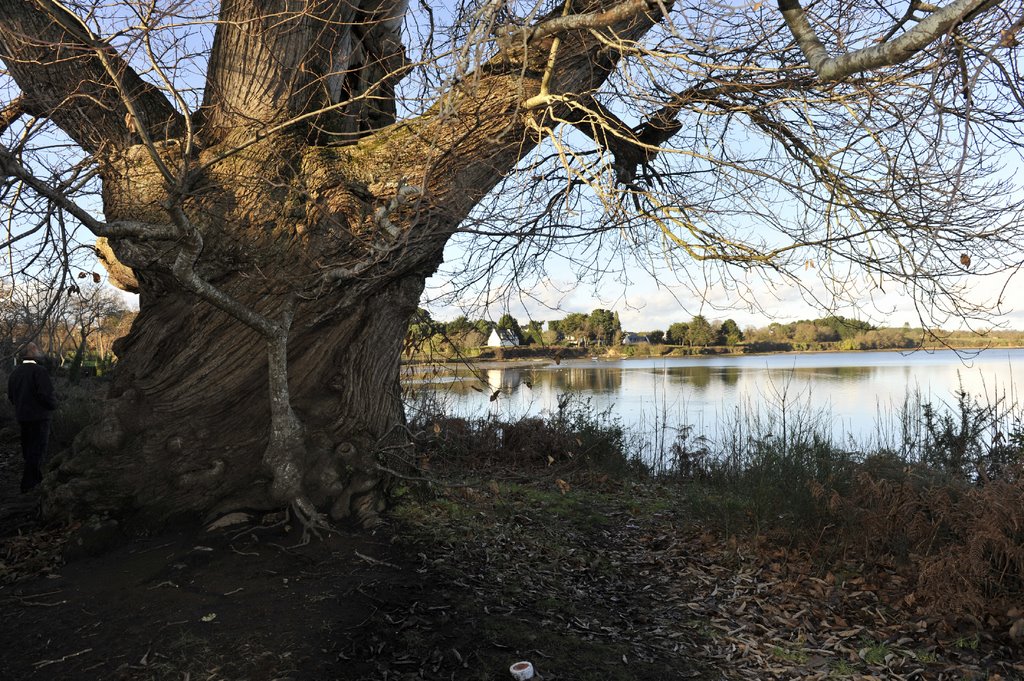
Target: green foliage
677,333
699,332
968,441
602,325
574,324
534,332
880,339
875,652
422,327
509,323
827,333
459,326
844,327
729,334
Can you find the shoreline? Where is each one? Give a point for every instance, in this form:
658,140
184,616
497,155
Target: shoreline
562,353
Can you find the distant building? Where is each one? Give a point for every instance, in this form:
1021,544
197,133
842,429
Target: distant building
633,339
502,338
575,341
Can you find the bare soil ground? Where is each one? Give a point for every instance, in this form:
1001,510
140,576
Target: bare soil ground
586,577
249,602
229,604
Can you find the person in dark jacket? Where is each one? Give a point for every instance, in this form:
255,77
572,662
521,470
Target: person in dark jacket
30,390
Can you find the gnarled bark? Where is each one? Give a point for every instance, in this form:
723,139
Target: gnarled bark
188,427
186,424
276,277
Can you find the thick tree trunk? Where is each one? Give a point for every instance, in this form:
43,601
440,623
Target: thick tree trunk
277,273
187,426
187,421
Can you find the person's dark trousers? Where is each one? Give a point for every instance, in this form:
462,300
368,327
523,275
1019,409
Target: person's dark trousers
34,436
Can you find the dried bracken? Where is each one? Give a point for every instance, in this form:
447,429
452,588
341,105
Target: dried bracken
964,542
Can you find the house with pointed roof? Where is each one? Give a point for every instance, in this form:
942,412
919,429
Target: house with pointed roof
502,338
634,339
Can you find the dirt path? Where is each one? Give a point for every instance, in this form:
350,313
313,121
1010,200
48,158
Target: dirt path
237,603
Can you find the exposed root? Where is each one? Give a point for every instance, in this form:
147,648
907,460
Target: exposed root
314,524
312,521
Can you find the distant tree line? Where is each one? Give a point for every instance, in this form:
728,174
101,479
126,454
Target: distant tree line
75,326
832,332
699,332
602,327
599,327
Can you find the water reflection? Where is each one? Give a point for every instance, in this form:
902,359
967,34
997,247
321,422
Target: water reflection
705,376
504,379
463,381
584,379
855,387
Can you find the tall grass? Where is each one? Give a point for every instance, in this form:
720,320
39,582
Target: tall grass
938,490
756,468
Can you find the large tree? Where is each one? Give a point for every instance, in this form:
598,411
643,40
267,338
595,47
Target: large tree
278,179
699,331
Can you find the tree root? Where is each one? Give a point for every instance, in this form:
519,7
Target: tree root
313,522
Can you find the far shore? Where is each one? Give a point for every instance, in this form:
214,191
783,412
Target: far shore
527,355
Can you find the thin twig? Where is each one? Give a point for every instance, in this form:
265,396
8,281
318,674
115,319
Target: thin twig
375,561
46,663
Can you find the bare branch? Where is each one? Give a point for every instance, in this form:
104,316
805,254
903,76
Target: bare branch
11,167
575,22
62,77
890,53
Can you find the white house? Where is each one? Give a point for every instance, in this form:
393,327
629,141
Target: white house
633,339
502,338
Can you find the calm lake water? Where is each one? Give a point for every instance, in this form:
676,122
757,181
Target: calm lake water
858,393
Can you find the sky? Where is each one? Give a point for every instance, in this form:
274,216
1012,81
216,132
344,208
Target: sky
650,303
